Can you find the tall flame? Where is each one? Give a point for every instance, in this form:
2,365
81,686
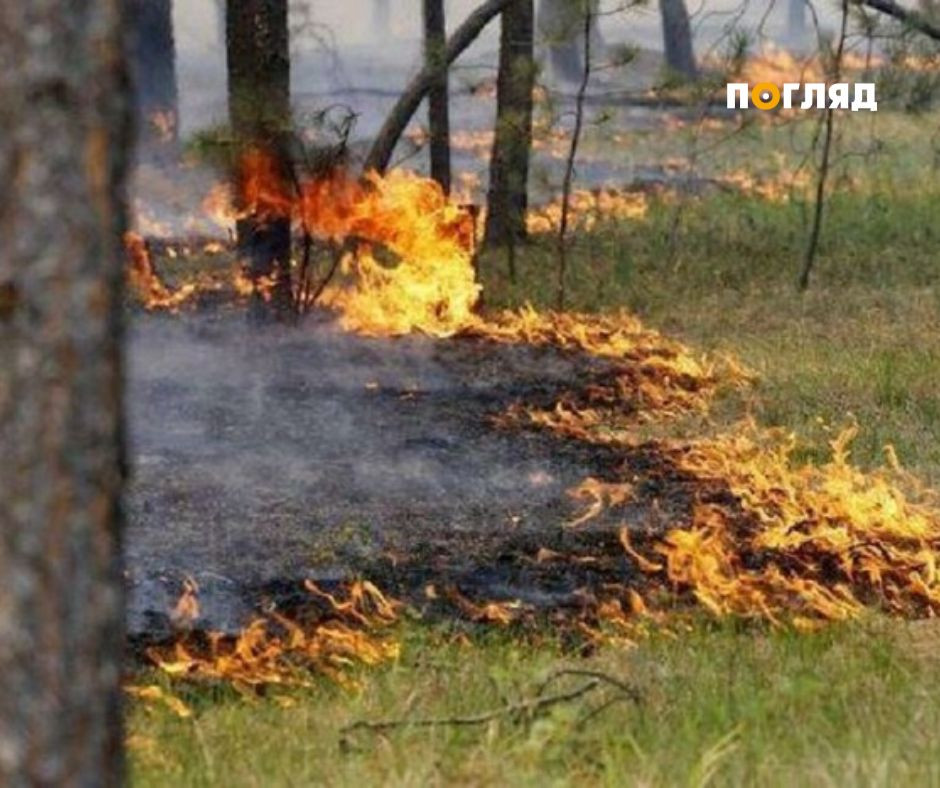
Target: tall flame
428,282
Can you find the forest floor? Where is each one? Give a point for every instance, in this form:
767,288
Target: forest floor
723,703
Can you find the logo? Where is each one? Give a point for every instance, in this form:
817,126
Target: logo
812,95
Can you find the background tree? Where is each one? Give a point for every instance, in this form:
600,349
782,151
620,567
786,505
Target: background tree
258,57
559,23
65,108
153,66
796,21
509,164
435,47
677,38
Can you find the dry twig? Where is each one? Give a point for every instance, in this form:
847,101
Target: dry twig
526,709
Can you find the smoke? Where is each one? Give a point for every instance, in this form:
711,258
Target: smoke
264,454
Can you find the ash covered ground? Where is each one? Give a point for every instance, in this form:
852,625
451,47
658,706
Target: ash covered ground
264,455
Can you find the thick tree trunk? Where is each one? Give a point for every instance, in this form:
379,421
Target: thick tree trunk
384,145
258,56
153,65
677,38
435,46
65,110
509,166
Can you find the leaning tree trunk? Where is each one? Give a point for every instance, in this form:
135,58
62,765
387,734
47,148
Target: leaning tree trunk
435,46
258,56
509,165
65,107
677,39
153,66
380,154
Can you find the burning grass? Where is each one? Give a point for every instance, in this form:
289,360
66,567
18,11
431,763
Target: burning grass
762,537
329,636
770,539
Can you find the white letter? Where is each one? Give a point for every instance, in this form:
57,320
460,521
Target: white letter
839,96
789,88
864,97
819,90
739,100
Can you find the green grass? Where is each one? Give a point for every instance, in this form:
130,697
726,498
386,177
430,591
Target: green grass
853,705
856,704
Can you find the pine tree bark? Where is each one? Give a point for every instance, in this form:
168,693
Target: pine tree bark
435,47
153,66
65,110
507,199
258,58
677,39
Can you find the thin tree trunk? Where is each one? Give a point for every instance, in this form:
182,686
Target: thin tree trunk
258,56
435,44
384,145
677,38
153,66
66,107
569,164
812,246
507,199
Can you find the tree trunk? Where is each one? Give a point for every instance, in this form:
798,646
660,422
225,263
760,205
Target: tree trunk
677,39
153,66
560,25
507,199
796,21
65,105
384,145
258,56
435,46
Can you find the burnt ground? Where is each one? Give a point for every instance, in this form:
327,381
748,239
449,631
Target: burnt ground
263,455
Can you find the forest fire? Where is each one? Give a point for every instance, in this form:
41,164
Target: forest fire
340,443
734,526
768,539
333,636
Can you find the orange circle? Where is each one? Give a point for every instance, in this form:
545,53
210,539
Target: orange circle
765,87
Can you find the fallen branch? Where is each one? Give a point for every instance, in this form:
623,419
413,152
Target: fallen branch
631,692
525,709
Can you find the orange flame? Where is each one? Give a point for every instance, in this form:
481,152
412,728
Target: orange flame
280,651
